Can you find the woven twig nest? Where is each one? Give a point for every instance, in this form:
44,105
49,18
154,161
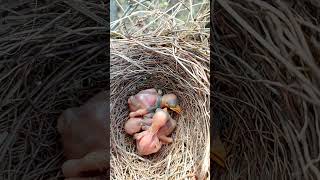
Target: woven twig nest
173,67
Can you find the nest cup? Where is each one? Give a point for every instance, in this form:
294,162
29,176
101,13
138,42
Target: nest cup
139,64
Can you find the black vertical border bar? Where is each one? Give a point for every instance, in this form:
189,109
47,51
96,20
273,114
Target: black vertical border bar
215,124
108,86
211,24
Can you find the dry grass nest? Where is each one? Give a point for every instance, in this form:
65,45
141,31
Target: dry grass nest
145,63
147,51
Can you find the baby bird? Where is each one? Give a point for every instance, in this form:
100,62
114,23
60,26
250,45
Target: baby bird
135,125
147,101
84,137
144,99
165,130
148,141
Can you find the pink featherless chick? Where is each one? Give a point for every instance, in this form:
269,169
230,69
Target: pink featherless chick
148,141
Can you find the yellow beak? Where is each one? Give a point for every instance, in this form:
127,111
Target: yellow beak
176,109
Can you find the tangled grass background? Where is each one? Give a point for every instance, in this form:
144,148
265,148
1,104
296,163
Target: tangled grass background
266,92
52,56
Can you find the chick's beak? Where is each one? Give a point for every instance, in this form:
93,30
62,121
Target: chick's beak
176,109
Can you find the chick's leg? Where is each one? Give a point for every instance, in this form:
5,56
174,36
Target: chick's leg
140,112
168,128
165,140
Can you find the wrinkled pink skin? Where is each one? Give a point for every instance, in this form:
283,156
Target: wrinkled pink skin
83,130
148,141
165,131
139,103
154,134
135,125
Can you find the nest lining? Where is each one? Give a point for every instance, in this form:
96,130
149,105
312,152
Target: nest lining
136,66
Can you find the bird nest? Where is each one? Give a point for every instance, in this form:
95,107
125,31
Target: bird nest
174,67
154,48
